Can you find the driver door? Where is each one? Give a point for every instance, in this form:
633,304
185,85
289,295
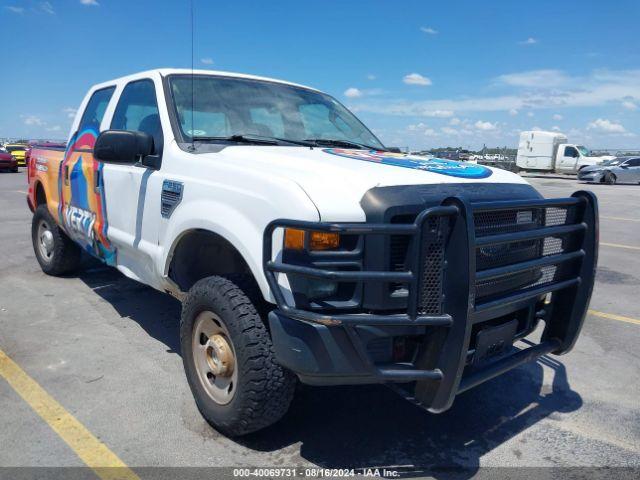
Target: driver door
133,192
568,158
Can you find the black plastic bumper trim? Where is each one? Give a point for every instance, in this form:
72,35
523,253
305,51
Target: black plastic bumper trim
367,319
504,365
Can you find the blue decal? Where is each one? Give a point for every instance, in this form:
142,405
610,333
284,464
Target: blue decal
434,165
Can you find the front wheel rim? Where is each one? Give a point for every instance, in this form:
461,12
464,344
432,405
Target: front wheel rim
214,358
45,241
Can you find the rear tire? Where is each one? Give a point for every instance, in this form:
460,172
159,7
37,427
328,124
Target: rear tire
610,178
56,253
229,359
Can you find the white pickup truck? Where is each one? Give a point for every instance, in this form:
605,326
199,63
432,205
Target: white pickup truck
302,249
551,152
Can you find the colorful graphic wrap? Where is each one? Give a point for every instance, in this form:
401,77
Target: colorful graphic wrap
434,165
82,207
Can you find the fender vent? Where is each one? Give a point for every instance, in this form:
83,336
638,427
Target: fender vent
170,197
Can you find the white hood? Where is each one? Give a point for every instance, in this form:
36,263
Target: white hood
337,179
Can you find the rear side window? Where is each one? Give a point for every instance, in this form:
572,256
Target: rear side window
137,110
93,113
570,152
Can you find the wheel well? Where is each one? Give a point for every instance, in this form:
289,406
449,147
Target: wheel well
201,254
41,197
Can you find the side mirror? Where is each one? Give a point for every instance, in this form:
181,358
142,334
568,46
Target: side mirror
122,146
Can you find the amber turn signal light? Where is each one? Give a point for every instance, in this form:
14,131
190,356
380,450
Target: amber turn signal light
294,239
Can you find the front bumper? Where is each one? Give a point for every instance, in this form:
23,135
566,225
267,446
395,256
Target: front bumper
590,176
8,164
325,348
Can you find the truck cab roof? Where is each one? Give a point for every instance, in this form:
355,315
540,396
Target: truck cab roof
164,72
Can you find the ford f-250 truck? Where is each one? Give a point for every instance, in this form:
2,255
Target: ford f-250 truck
302,249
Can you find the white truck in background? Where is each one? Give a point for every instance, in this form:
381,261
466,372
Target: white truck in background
551,152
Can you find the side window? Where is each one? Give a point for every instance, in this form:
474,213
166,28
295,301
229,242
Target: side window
570,152
137,110
94,111
634,162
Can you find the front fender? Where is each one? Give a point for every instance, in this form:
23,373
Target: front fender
242,228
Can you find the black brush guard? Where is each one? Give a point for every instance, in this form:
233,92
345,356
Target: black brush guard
440,371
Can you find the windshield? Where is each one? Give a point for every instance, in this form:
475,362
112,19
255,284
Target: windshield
584,151
615,161
15,149
224,107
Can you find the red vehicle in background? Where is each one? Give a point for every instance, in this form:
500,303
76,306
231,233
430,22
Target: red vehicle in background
8,162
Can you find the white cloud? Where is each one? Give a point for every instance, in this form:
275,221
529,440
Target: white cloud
439,113
449,131
32,120
529,41
485,126
371,76
530,114
454,121
430,132
89,2
416,126
429,30
600,88
606,126
555,128
54,128
352,92
207,61
416,79
629,105
71,112
513,112
535,79
46,7
19,10
557,116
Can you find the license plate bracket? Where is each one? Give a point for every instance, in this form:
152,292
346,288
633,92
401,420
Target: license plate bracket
493,342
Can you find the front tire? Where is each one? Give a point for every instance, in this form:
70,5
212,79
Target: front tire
56,253
229,359
610,178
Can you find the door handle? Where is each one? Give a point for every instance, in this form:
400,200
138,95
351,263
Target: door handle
66,174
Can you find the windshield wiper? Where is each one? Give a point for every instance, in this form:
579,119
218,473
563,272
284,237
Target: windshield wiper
239,139
342,143
250,138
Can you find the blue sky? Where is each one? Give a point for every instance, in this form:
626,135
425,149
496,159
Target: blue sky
419,73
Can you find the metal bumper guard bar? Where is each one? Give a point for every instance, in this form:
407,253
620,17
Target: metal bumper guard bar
439,372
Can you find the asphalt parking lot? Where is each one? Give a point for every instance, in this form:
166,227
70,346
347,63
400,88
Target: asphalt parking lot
107,350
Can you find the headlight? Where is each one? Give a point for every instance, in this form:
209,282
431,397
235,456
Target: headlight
296,239
301,241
